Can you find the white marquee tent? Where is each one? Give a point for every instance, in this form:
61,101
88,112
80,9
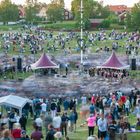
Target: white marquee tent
15,102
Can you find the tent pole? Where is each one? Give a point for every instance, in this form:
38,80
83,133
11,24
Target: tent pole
20,112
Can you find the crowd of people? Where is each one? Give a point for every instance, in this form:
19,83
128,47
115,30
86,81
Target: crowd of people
32,40
109,114
57,118
109,73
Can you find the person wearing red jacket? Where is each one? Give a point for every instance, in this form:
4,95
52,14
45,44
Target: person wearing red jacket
16,132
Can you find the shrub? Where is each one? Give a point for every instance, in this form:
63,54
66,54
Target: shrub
105,24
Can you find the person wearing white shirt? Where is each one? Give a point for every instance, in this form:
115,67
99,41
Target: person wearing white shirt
84,100
57,122
43,108
102,127
127,106
39,122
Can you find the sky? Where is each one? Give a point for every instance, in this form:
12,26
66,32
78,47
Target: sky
129,3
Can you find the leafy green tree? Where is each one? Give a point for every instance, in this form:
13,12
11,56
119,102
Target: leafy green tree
133,18
55,12
128,21
105,12
61,2
105,24
113,18
31,13
8,11
92,9
31,2
76,13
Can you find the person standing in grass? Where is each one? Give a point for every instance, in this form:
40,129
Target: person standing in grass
23,122
39,122
112,128
102,127
24,136
73,120
53,109
66,105
36,134
16,131
57,122
43,108
64,123
127,106
91,124
7,135
48,120
91,109
50,133
138,124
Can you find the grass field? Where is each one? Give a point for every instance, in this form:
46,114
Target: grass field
70,25
4,28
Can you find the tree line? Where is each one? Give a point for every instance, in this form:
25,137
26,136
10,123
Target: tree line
55,12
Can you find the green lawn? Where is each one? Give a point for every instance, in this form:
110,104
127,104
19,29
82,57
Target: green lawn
65,25
9,27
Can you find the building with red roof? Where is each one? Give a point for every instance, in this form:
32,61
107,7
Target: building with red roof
118,9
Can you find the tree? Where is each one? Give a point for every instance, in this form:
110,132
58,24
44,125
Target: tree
136,16
76,13
132,19
30,13
105,24
31,2
8,11
92,9
61,2
128,21
113,18
55,12
31,10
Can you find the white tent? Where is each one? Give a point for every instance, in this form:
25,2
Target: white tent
14,101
